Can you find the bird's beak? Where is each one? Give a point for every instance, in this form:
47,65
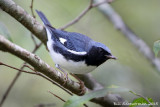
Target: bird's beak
111,57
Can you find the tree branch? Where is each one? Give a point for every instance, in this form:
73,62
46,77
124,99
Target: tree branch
35,73
119,24
107,100
39,65
89,7
57,76
31,24
16,77
57,96
78,17
24,18
31,6
89,81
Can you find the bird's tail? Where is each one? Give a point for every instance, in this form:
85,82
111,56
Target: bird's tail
48,26
43,18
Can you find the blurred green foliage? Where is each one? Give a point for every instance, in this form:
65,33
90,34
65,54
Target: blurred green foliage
4,31
78,101
132,70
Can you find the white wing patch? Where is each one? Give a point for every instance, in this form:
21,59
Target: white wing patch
77,53
62,40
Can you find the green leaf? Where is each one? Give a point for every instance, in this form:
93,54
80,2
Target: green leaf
156,47
77,101
140,101
4,31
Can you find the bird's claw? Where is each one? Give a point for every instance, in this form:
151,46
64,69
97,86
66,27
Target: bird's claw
82,88
65,73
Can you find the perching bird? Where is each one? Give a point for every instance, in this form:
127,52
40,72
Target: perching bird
74,52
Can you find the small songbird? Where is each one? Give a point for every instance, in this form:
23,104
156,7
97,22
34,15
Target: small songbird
74,52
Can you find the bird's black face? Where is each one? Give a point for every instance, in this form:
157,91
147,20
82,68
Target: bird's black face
104,54
98,55
107,54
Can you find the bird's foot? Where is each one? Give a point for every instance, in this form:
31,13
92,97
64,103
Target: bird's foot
81,83
65,74
82,87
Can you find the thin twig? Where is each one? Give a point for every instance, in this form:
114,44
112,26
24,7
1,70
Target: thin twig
16,77
40,74
90,6
138,42
77,18
145,99
62,98
38,34
31,6
36,73
57,96
17,68
39,65
141,96
36,47
91,2
22,67
29,67
34,40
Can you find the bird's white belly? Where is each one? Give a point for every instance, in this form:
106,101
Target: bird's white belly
70,66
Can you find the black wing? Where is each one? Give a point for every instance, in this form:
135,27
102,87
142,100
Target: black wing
74,41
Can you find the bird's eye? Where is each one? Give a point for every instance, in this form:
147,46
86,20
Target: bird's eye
100,50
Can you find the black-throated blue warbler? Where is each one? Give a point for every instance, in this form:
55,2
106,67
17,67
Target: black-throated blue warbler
74,52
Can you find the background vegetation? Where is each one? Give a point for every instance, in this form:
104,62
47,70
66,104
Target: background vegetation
132,70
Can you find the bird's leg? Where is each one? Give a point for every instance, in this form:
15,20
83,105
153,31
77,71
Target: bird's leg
65,73
82,86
